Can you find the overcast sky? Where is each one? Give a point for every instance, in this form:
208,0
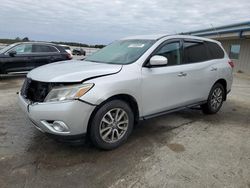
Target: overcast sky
100,21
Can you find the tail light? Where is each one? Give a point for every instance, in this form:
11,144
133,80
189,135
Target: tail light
69,56
231,63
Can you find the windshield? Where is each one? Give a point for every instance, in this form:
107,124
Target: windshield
121,52
5,49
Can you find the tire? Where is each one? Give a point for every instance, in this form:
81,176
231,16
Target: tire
215,99
112,124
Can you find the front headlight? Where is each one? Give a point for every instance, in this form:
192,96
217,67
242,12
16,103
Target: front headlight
68,92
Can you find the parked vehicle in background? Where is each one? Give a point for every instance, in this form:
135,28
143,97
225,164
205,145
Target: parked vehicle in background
79,51
25,56
2,46
67,49
132,79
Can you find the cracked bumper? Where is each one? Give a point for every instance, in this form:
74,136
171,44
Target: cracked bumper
75,114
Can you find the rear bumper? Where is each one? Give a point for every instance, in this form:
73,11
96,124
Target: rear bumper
75,114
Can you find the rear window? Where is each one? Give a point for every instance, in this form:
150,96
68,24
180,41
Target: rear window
195,52
215,50
43,48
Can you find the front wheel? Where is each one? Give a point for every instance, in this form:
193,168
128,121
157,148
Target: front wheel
215,99
111,125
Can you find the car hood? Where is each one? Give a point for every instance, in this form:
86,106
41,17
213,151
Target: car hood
72,71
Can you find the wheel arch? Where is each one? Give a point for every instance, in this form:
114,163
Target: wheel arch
223,82
130,100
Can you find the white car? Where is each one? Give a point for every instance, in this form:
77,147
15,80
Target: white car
132,79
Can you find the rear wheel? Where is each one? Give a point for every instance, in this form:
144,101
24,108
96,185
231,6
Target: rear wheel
215,99
111,125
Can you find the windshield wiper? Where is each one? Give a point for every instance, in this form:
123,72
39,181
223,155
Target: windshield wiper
94,61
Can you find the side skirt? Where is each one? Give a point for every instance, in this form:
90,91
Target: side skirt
170,111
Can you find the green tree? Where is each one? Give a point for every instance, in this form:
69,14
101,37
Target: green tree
25,39
17,39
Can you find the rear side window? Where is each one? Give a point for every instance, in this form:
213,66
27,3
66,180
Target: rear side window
195,52
43,48
215,50
53,49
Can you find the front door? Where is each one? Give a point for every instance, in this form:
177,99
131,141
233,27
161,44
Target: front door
22,61
165,88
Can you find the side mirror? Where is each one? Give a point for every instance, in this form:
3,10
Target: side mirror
158,60
12,53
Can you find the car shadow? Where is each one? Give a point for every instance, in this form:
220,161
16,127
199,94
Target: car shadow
41,154
147,136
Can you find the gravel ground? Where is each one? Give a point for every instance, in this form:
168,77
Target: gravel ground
183,149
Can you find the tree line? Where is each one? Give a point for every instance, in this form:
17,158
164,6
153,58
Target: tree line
79,44
26,39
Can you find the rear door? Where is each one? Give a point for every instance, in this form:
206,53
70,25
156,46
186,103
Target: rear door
200,68
186,79
45,54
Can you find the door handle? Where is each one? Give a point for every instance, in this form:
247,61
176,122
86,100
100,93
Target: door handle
213,69
181,74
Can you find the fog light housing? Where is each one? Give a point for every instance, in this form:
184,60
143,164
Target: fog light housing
60,126
56,126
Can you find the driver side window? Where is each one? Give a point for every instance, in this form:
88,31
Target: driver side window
23,48
172,51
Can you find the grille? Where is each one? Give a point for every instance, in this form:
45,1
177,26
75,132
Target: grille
35,91
25,87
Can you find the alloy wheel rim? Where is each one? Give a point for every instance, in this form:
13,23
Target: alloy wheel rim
216,98
113,125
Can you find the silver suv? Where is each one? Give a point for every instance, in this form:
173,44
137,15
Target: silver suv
132,79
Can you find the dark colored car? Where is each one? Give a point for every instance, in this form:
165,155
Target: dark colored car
79,51
22,57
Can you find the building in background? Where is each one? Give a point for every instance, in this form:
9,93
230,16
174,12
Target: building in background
235,38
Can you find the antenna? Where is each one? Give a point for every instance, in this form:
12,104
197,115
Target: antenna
215,30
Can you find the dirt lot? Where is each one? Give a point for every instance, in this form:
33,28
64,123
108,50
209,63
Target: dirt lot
183,149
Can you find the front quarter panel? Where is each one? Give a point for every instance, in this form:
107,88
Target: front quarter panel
127,81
